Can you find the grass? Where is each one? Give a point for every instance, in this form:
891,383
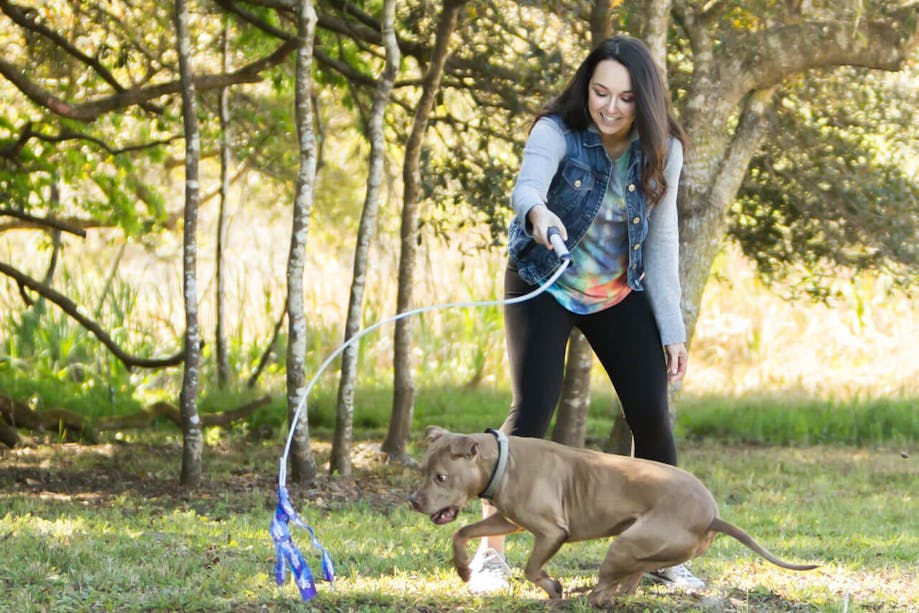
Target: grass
104,528
789,419
797,415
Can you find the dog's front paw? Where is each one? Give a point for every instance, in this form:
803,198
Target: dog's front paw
463,571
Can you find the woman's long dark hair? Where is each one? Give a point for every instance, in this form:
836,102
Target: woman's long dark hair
654,116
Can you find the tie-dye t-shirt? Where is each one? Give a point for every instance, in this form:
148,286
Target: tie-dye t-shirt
596,279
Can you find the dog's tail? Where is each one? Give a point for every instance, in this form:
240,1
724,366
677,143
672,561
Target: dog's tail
719,525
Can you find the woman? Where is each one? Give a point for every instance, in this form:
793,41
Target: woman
602,165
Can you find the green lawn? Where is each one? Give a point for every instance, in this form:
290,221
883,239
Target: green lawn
105,527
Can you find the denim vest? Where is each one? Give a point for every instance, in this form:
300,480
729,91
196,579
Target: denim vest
575,195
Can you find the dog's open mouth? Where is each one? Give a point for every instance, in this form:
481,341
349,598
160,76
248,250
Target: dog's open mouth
445,516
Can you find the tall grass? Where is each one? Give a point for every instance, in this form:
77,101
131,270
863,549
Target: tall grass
752,339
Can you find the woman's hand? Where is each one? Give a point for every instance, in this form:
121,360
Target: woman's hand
677,357
541,219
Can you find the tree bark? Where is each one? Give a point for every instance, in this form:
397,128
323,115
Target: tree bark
303,464
344,415
571,418
18,414
620,436
9,436
403,381
600,26
656,38
223,359
192,439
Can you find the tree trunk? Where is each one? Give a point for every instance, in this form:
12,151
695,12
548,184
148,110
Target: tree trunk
600,26
656,38
403,381
620,436
571,419
303,464
344,415
223,359
706,196
192,438
574,402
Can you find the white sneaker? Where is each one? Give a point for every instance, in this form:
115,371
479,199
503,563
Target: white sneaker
490,572
678,577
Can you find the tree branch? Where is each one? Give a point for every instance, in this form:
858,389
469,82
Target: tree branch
16,413
73,225
69,135
253,379
90,111
42,222
27,133
148,415
883,44
71,309
254,20
25,19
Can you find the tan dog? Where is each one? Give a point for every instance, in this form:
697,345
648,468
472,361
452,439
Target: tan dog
661,515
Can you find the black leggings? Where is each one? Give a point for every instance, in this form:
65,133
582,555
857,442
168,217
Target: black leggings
626,340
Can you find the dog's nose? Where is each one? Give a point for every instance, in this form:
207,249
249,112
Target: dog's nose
416,504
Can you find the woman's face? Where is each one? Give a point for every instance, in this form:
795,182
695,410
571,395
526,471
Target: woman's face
610,100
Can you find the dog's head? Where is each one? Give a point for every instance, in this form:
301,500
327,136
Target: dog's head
451,474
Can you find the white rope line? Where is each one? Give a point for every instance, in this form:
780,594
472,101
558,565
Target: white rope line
282,474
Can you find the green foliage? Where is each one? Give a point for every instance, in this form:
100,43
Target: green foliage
53,166
831,188
485,114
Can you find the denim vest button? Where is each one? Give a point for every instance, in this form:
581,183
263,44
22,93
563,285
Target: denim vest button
632,187
636,220
636,247
577,183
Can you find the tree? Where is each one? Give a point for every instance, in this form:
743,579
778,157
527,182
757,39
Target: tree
344,414
223,360
403,381
303,464
736,72
574,401
192,437
102,133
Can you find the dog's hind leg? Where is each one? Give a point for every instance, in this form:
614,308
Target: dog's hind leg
635,552
620,574
494,525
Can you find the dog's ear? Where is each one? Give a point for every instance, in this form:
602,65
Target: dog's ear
432,433
464,447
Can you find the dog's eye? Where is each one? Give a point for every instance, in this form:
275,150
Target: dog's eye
440,477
